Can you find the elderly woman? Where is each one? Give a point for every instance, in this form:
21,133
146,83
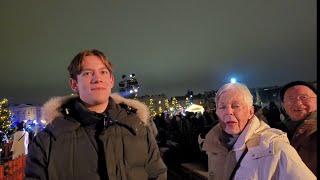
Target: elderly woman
243,147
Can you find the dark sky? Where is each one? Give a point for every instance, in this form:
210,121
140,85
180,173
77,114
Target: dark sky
171,45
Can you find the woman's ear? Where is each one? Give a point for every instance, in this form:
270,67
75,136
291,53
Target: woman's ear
251,112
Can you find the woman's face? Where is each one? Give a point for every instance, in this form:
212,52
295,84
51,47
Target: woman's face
233,111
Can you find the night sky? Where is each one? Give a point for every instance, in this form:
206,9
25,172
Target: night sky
171,45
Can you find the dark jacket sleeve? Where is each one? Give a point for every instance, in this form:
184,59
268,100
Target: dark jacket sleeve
37,158
155,168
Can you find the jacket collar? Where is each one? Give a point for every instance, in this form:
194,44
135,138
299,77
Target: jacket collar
86,117
256,134
58,106
312,115
309,125
214,144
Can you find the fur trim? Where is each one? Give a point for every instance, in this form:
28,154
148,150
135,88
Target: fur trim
52,108
142,110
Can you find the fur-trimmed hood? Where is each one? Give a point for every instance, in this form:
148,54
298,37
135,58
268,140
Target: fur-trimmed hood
53,107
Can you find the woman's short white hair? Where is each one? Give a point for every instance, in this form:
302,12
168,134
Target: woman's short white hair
241,87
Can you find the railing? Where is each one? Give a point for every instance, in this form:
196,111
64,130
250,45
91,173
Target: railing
13,169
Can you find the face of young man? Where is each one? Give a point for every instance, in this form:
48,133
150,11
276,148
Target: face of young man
94,83
299,101
233,111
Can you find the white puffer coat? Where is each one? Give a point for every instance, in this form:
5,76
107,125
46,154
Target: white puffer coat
269,156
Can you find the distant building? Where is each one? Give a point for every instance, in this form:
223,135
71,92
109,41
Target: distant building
160,103
25,112
155,102
263,96
199,99
187,100
209,99
31,114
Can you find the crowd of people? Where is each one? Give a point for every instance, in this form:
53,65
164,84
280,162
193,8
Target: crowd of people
97,134
288,133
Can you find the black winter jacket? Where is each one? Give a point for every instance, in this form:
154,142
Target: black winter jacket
80,144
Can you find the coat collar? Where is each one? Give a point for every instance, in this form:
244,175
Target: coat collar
256,134
57,106
308,126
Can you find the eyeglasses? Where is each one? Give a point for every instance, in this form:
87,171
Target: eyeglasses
302,98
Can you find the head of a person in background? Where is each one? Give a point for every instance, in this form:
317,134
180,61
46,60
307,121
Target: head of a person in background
272,105
91,77
234,107
299,99
20,126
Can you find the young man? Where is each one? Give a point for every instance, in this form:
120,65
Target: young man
299,100
94,135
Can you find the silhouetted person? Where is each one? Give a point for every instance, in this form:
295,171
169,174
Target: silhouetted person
273,115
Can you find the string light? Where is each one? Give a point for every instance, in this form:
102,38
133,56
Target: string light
5,116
